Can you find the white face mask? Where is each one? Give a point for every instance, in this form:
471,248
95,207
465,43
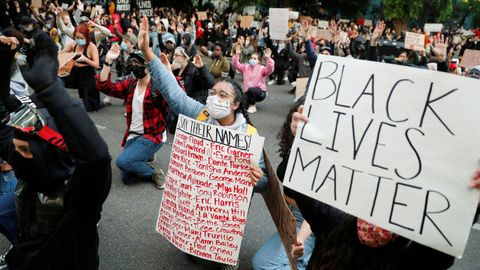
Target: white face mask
218,108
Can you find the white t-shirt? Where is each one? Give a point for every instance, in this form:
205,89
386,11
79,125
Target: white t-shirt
137,114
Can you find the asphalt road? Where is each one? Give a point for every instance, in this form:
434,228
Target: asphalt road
127,230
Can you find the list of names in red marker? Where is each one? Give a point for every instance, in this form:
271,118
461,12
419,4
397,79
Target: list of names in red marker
208,189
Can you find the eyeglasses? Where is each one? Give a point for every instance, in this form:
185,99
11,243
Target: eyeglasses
29,120
220,93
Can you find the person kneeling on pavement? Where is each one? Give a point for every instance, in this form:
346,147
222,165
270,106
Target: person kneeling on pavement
146,114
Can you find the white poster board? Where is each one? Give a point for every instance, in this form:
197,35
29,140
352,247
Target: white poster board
414,41
278,23
208,189
368,23
433,27
249,10
391,145
323,24
293,15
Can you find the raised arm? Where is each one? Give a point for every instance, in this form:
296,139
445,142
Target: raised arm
164,81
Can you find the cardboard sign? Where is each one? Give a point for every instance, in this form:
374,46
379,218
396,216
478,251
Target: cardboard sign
433,27
208,189
323,24
145,8
414,41
278,23
324,34
300,87
391,145
281,215
123,6
202,15
246,21
293,15
36,4
65,64
470,58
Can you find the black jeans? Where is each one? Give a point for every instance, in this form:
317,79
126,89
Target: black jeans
254,95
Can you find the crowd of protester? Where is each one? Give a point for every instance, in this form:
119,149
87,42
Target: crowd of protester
156,65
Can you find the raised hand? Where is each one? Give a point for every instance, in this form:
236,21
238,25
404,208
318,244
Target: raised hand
165,62
439,48
113,54
268,53
43,71
377,33
10,41
198,61
143,39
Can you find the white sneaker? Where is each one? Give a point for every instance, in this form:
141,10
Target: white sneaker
271,82
106,101
252,109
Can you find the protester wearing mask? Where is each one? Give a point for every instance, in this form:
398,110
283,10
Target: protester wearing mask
220,66
57,164
168,41
193,76
188,45
82,75
224,104
254,75
146,114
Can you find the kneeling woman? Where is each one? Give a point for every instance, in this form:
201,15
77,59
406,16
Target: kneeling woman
225,103
83,73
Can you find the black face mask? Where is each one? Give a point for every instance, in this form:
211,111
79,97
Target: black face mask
138,71
24,168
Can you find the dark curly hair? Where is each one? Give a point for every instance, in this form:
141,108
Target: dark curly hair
285,134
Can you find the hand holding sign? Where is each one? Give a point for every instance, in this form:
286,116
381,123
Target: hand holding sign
297,117
256,173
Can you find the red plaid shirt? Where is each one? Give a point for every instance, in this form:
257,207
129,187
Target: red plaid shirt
153,116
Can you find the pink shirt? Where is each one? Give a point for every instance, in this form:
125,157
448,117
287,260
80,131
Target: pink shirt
253,76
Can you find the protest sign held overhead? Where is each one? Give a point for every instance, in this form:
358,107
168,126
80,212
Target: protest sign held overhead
414,41
145,7
123,6
278,23
205,203
393,145
433,27
246,21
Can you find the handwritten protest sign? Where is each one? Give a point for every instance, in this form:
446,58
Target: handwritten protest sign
470,58
123,6
414,41
393,145
433,27
324,34
208,189
202,15
278,23
281,215
246,21
145,7
323,24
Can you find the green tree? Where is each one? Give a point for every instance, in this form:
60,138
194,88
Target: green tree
401,11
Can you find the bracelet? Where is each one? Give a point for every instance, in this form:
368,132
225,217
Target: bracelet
107,64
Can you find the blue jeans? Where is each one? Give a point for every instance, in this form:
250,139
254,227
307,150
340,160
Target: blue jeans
7,216
272,255
8,182
132,162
